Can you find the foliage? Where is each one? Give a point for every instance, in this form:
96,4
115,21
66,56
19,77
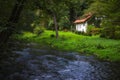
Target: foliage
76,8
109,12
38,30
110,31
92,30
117,32
97,7
41,12
5,9
103,48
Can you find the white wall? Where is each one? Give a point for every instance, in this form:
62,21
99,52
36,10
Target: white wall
82,27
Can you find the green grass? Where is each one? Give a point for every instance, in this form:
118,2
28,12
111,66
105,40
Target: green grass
106,49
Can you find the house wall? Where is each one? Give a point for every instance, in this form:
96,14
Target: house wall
82,27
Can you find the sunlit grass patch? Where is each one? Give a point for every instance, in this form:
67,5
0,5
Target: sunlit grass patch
107,49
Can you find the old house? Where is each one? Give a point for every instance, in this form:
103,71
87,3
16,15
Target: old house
82,24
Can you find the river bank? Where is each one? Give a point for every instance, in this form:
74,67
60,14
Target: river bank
35,63
106,49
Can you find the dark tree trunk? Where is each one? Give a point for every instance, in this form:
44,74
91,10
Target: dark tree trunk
56,25
13,19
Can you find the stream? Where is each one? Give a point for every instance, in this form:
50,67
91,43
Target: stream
41,64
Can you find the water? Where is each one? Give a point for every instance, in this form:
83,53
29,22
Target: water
40,64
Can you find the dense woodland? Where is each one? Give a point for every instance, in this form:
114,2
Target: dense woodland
17,16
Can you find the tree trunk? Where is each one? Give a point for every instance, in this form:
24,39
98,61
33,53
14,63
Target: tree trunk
13,19
56,25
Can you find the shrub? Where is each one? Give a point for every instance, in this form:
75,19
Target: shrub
38,30
117,35
99,46
117,32
92,30
95,31
110,31
52,35
79,32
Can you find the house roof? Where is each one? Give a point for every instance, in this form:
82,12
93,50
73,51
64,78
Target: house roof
83,20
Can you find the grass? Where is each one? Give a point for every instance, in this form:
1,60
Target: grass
106,49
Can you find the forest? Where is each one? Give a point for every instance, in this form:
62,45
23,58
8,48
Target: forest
39,35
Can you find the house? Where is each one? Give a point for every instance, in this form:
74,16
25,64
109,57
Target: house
81,24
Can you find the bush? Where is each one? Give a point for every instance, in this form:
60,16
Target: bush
110,31
117,32
38,30
99,46
79,32
52,35
92,30
117,35
95,31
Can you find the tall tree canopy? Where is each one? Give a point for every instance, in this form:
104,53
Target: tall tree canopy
109,12
9,26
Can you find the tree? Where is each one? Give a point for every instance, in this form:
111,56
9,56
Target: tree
76,9
53,8
109,11
13,19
